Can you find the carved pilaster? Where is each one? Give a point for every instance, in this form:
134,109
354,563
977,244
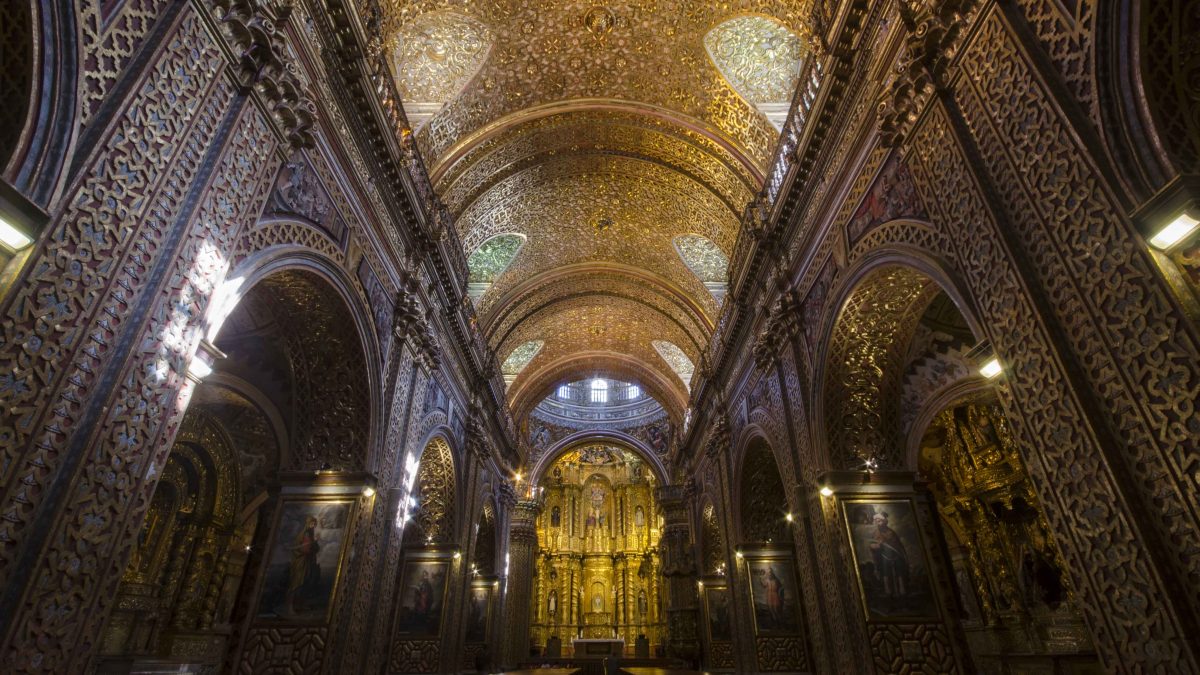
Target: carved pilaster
679,572
522,548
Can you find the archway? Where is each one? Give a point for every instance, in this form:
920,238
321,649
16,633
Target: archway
221,550
903,392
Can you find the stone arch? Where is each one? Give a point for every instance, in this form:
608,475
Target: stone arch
763,503
292,327
1157,61
39,50
574,440
435,491
868,328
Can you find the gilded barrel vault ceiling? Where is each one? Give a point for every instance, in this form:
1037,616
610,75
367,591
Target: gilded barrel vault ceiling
623,140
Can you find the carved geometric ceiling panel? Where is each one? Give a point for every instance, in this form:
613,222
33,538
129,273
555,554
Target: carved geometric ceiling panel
605,134
519,358
435,56
705,259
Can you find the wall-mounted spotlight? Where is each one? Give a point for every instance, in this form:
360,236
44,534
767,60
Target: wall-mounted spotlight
368,491
788,517
826,491
991,369
457,555
20,219
1180,228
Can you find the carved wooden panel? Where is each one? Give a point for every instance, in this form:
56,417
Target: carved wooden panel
911,649
775,654
290,651
415,656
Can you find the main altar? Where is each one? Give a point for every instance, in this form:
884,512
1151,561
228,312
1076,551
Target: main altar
597,582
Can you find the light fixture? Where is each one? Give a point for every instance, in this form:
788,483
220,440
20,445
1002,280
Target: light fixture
700,583
826,491
991,369
368,491
738,555
457,555
517,477
20,219
788,517
1175,231
12,238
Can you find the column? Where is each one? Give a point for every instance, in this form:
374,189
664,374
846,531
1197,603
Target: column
679,574
522,550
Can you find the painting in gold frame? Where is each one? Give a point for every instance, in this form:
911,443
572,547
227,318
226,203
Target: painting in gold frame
309,540
774,593
479,612
718,612
422,597
889,559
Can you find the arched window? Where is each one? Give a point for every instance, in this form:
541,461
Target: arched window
564,392
679,362
706,260
490,260
518,359
633,392
760,58
436,55
599,391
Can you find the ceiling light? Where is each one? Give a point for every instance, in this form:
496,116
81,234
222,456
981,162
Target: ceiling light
13,238
991,369
1175,231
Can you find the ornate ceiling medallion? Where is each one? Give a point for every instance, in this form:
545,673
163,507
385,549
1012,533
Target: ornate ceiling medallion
599,21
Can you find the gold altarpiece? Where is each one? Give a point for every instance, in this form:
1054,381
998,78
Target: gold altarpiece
598,563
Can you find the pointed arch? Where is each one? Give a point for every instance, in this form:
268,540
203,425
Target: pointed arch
763,506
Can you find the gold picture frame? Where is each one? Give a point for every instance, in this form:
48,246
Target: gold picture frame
424,585
309,541
718,613
895,582
774,591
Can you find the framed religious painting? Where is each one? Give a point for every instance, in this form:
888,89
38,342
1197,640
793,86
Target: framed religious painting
479,611
889,559
718,612
422,597
308,543
774,593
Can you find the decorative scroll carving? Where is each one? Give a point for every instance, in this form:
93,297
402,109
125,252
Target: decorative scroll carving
264,65
763,499
934,31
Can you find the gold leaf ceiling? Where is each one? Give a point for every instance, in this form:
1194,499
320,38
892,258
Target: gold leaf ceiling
602,132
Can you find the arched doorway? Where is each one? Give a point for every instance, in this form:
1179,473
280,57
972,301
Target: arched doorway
941,519
250,524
